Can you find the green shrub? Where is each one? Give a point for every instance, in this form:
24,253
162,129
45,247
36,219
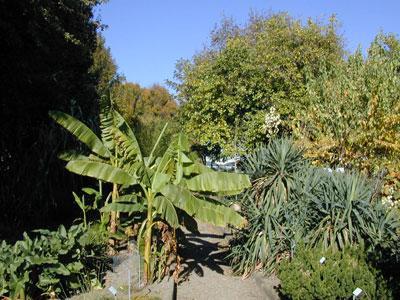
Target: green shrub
304,277
50,263
291,201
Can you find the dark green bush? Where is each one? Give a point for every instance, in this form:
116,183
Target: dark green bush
58,263
304,277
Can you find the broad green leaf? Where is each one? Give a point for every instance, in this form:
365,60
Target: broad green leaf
100,171
72,155
159,180
81,132
129,145
219,182
196,168
150,159
78,201
204,210
127,207
166,210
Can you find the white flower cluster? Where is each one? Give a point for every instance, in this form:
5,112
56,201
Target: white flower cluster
272,122
389,200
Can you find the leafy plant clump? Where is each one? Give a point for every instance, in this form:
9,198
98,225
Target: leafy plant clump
51,263
305,277
174,189
291,201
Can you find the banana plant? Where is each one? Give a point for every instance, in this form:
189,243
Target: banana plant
164,186
176,182
104,162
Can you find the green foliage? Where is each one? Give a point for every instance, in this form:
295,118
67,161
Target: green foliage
350,114
104,67
45,62
147,110
291,201
51,262
226,90
303,277
158,188
275,172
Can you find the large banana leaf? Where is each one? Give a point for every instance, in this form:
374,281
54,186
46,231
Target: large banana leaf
106,122
166,209
196,168
219,182
173,159
128,144
203,210
127,207
151,156
159,180
81,132
100,171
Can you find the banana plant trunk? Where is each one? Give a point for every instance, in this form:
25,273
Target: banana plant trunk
147,246
113,220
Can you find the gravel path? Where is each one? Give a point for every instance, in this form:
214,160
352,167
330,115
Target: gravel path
205,274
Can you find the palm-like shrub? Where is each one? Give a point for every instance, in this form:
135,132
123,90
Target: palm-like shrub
274,170
160,189
291,201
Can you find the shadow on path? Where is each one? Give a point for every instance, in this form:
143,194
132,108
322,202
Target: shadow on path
203,251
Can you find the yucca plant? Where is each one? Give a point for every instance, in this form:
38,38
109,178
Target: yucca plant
274,169
273,165
159,187
291,201
341,210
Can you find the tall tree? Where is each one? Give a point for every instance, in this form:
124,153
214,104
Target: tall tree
226,90
45,56
351,113
147,110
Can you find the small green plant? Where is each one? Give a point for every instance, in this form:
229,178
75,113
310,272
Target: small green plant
58,263
305,277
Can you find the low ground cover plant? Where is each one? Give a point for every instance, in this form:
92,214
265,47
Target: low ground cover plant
336,276
51,263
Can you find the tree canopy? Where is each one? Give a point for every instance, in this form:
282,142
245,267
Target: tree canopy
350,116
45,59
147,110
226,90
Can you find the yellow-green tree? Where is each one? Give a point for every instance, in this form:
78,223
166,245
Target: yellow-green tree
351,113
147,110
226,90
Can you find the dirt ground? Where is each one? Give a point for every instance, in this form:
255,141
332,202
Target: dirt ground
204,271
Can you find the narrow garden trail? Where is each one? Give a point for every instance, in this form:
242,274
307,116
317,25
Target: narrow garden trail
207,276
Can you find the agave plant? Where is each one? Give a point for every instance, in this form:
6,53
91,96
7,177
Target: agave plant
163,186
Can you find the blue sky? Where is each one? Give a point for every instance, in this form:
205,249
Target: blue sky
147,37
